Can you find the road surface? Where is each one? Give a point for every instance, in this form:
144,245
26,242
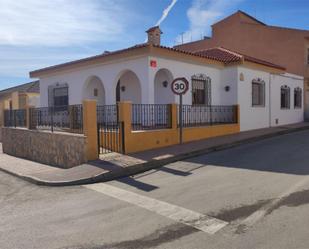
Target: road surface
252,196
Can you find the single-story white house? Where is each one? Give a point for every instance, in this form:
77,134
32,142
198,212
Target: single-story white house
267,95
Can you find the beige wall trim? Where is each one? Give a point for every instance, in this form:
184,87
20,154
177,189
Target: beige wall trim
90,128
136,141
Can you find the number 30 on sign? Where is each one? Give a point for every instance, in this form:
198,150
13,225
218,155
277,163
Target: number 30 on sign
180,86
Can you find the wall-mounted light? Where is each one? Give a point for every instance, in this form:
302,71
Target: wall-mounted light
227,88
123,88
165,83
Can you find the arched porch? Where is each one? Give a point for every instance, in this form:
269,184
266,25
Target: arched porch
128,87
162,87
94,89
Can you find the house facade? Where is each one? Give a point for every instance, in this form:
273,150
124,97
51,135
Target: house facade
19,97
267,94
245,34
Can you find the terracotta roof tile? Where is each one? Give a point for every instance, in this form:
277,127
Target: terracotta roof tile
228,56
220,54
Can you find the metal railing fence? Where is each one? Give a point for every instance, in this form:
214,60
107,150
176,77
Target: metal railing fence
107,114
65,118
151,116
15,118
204,115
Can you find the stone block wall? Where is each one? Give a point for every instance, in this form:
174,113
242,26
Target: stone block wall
57,149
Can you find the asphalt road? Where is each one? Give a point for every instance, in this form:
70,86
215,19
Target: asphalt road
258,191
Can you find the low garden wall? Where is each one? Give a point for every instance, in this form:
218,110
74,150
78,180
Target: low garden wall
58,149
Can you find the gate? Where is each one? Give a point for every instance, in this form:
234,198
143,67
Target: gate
110,130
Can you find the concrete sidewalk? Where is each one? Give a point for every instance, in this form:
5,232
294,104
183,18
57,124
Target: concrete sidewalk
114,165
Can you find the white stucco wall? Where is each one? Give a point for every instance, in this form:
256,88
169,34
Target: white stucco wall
109,74
291,115
187,70
229,77
252,117
255,117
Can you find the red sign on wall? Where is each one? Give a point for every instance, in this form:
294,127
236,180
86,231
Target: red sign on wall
153,63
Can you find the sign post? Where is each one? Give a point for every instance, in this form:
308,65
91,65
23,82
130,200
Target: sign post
179,87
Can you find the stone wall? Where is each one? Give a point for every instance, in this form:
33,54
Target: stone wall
63,150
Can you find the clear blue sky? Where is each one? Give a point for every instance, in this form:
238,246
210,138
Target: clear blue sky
36,33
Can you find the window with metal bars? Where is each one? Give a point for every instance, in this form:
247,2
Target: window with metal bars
297,97
285,97
61,98
258,93
201,90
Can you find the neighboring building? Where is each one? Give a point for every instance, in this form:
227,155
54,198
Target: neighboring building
19,97
266,93
243,33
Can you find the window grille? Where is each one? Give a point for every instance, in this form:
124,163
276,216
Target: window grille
201,90
258,93
297,97
61,98
285,97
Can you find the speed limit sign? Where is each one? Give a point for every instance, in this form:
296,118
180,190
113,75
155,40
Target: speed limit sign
180,86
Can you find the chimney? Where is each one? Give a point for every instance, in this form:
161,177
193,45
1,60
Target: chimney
154,35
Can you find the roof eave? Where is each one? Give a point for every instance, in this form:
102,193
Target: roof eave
264,67
143,49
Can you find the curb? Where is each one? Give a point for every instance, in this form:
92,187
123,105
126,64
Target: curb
153,164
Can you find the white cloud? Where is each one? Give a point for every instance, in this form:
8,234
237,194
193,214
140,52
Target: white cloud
59,22
202,14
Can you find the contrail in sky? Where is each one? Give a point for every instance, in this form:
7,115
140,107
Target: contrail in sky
166,11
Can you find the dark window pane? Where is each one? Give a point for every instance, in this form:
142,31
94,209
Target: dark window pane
258,93
285,97
297,98
61,98
201,91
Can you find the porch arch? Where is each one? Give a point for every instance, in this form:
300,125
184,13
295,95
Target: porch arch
94,89
162,87
128,87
